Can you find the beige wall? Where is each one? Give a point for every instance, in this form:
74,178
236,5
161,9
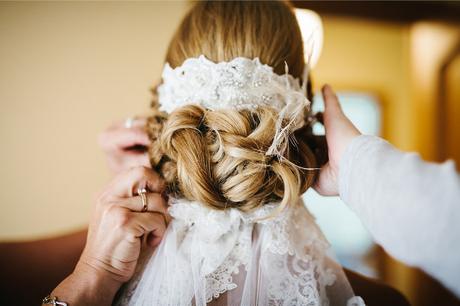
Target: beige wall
370,56
67,70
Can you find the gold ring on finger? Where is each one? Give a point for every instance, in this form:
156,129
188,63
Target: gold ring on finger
143,194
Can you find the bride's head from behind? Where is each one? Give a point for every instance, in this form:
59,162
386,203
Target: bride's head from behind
219,157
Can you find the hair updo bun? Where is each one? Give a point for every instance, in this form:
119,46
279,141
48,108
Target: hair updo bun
218,157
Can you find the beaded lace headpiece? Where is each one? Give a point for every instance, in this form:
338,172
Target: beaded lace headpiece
240,84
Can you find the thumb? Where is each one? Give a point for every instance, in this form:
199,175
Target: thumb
326,183
333,114
339,129
331,102
339,133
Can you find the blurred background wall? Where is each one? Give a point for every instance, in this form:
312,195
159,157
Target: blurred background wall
67,70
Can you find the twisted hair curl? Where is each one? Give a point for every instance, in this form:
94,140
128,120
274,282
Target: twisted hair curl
218,158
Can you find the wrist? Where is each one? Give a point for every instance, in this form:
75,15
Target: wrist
344,175
96,278
87,286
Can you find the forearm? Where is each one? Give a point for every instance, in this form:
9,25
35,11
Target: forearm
411,207
86,287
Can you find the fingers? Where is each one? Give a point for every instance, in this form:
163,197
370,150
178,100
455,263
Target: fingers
333,115
340,131
336,123
122,138
155,203
153,240
139,224
331,102
125,184
130,161
118,137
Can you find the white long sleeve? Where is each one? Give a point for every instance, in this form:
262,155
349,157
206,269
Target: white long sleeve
411,207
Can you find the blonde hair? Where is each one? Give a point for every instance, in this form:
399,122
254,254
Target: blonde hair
218,157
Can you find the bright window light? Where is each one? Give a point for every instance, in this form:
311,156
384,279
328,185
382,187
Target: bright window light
311,28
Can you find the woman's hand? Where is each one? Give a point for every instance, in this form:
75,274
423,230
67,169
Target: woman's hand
125,146
118,223
116,233
339,133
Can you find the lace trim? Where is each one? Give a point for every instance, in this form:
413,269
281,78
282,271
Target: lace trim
301,286
221,280
299,283
291,245
241,83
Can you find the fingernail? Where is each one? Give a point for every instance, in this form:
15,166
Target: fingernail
329,89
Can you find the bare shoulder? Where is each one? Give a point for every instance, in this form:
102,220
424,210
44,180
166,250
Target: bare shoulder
373,292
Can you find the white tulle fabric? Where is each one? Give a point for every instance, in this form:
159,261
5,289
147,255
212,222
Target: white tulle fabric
239,84
211,257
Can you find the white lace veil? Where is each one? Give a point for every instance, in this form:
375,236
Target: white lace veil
211,257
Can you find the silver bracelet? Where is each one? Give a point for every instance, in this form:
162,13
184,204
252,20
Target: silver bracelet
52,300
